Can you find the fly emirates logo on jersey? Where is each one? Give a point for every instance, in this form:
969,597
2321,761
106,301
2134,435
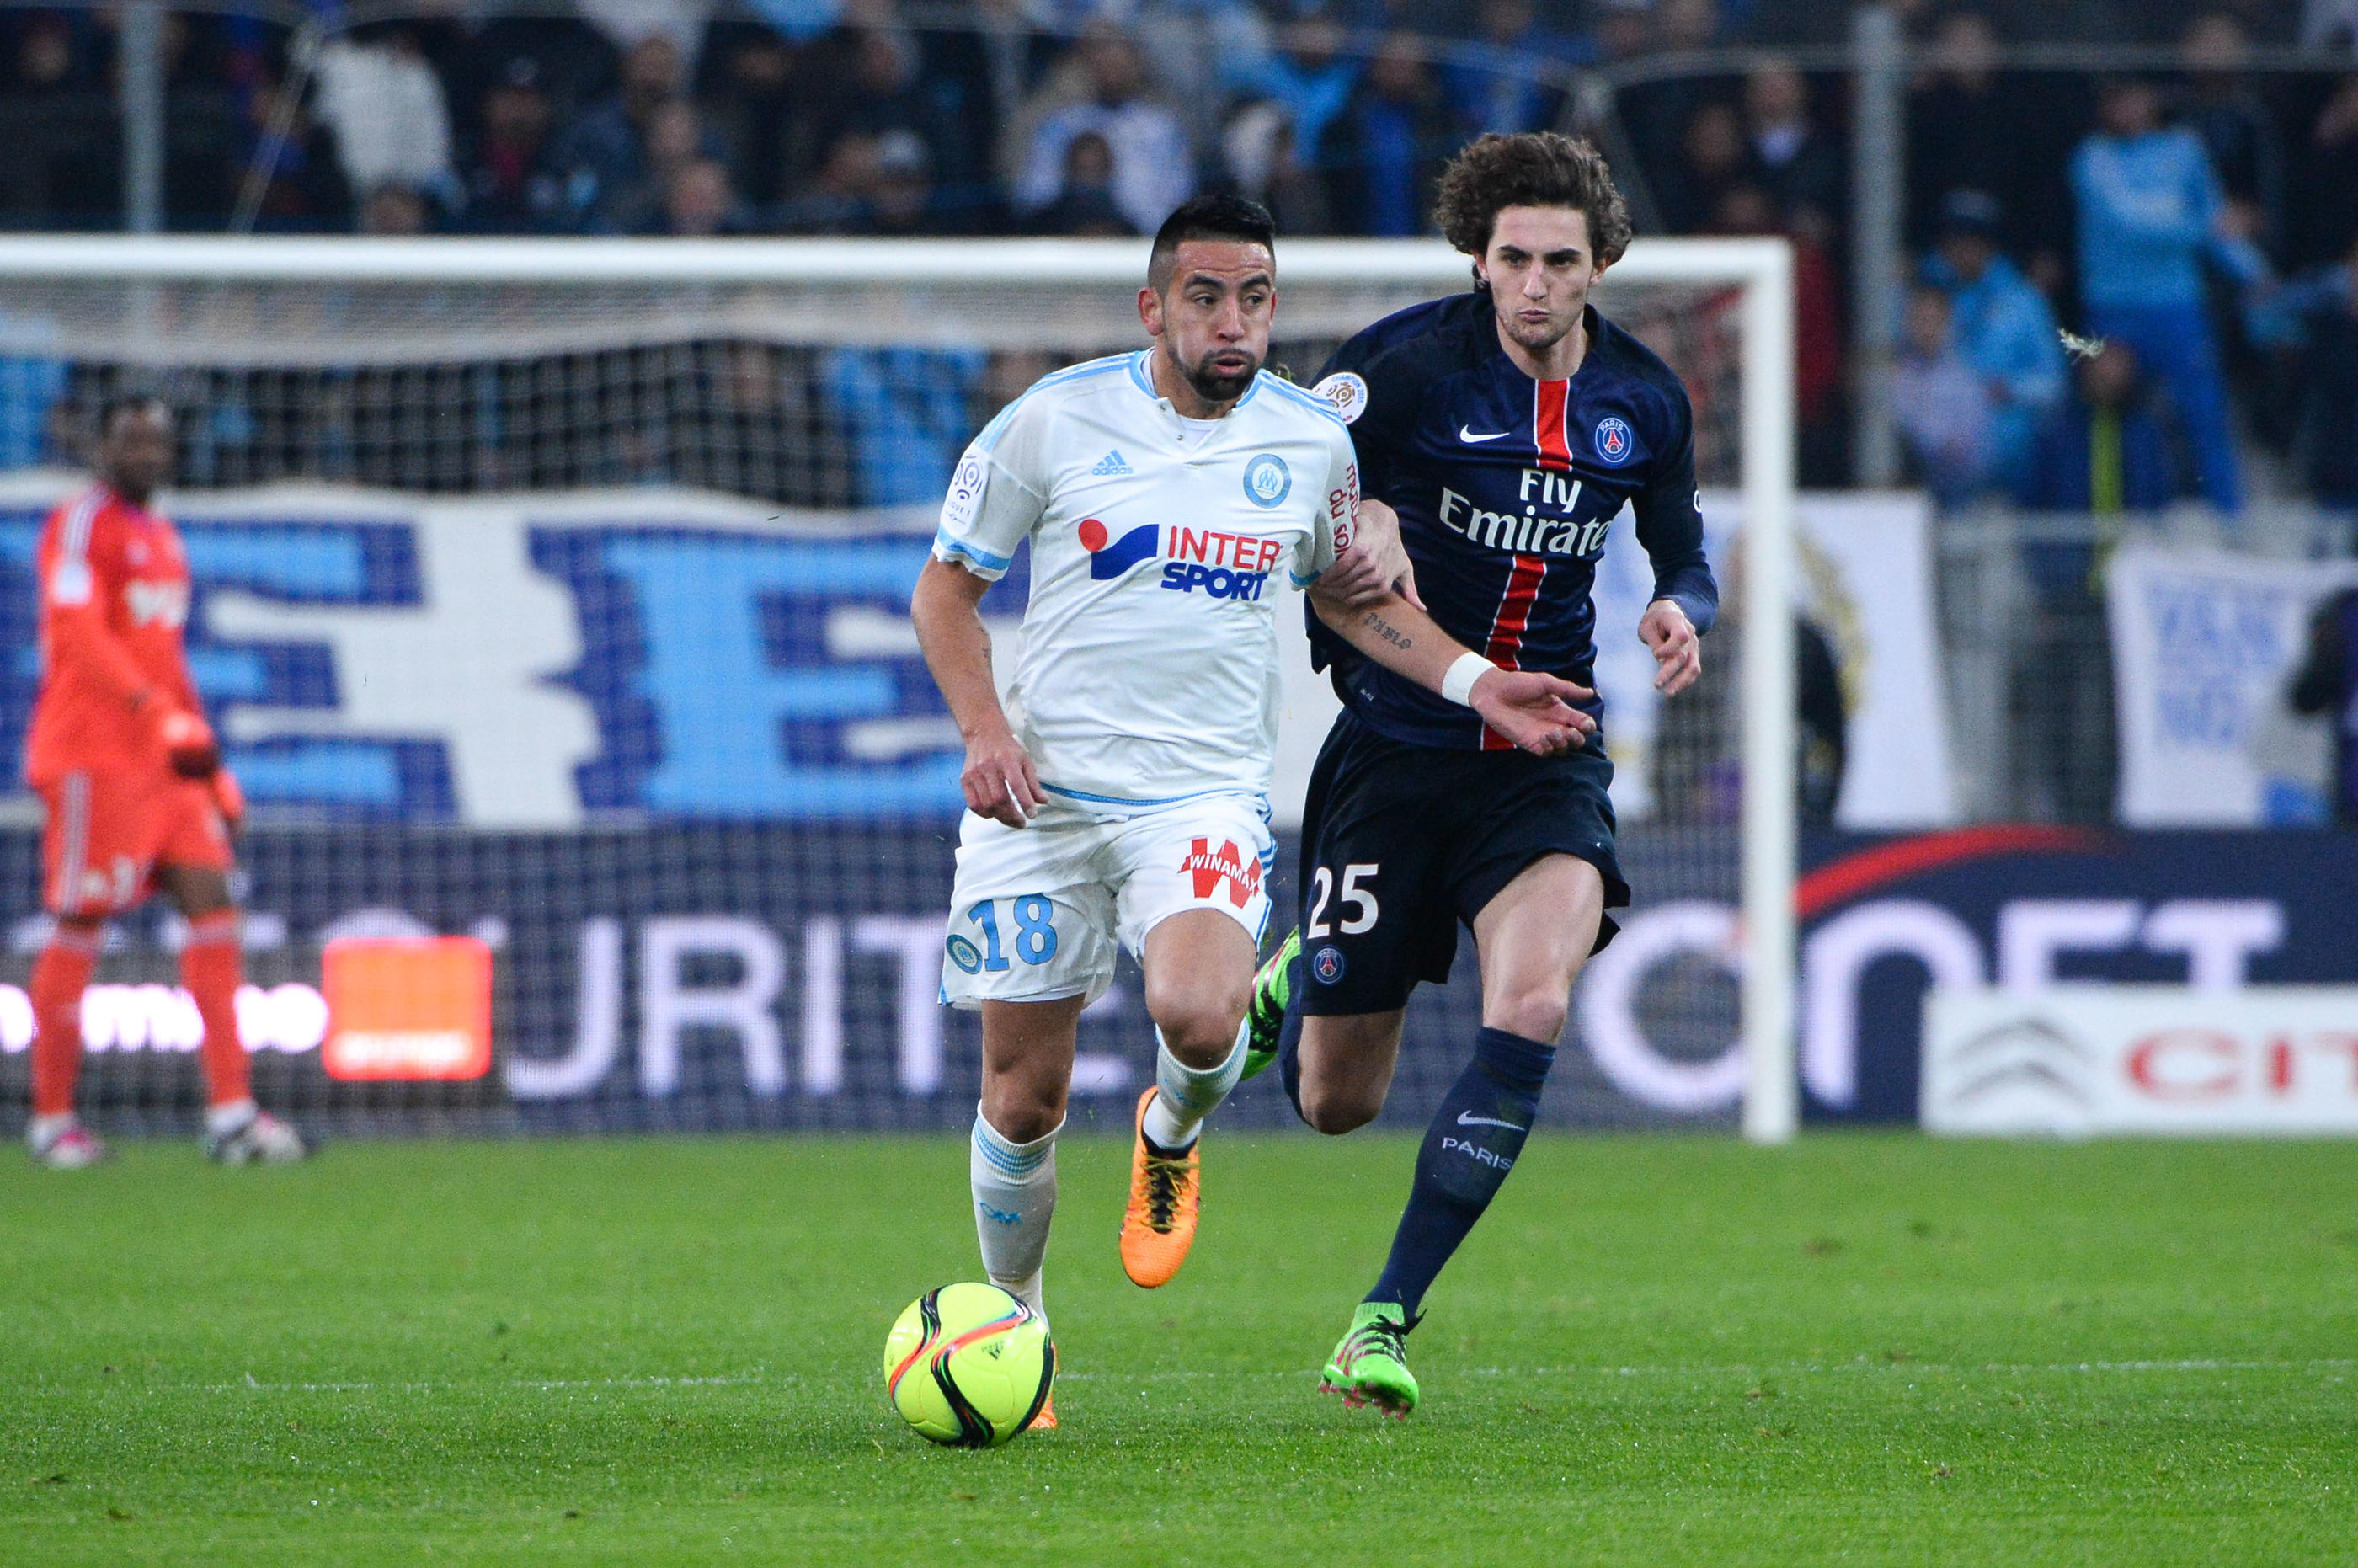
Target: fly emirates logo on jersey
1224,565
1544,525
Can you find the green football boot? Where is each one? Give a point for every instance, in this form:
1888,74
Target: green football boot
1371,1367
1273,993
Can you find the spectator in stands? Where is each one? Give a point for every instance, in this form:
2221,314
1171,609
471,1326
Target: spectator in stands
1153,167
58,119
1712,161
678,24
2118,445
1941,403
698,203
1387,150
885,90
750,107
909,413
2325,220
2238,129
2326,686
1085,207
1803,170
2003,329
1505,79
901,203
2115,447
384,105
2312,323
394,210
1658,115
1308,78
304,189
603,154
1971,127
2150,212
511,185
1818,401
1259,150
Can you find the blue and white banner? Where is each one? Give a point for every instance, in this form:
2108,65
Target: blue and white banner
2205,647
535,662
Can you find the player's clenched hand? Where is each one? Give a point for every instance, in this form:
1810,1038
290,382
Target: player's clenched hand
1677,650
1533,710
999,781
189,743
1376,564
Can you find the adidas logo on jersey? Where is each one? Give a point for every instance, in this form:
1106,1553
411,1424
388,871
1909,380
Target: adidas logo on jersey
1109,465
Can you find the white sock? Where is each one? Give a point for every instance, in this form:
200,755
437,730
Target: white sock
43,1130
227,1116
1184,1096
1014,1200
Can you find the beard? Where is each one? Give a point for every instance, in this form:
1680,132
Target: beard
1218,386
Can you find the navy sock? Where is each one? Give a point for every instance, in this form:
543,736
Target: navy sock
1473,1142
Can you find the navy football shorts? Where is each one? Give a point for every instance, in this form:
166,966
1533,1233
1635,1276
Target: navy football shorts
1401,843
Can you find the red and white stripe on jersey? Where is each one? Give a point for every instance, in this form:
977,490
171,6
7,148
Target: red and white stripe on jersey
1550,402
73,540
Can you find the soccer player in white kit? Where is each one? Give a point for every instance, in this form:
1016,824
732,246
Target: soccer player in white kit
1121,794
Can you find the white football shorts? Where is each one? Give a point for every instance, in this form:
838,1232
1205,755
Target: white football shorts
1037,911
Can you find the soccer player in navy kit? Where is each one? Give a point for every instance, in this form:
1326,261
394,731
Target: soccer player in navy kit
1506,427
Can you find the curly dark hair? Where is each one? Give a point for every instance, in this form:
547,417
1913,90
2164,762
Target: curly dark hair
1536,168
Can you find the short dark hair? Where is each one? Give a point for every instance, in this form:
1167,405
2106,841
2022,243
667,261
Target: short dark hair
1207,218
117,403
1536,168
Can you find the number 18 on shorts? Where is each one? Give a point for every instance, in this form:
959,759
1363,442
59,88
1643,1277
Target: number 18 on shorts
1040,912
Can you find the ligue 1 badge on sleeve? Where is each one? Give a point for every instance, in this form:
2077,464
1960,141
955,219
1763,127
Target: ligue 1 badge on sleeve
1347,391
966,490
1614,440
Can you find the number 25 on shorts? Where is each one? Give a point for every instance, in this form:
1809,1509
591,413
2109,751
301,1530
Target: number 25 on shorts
1034,938
1356,904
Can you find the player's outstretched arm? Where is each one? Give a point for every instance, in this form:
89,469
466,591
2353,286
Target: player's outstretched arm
999,779
1531,709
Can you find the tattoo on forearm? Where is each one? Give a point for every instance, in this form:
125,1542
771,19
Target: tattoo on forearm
1388,631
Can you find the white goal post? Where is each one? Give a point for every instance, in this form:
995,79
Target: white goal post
135,300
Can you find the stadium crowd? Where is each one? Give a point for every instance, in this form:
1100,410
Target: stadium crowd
2202,222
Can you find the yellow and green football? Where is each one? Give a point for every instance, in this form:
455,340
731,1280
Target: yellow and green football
968,1366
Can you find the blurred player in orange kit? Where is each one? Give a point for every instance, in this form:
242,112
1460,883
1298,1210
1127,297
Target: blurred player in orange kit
132,785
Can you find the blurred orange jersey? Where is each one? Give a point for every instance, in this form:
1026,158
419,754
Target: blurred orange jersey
115,599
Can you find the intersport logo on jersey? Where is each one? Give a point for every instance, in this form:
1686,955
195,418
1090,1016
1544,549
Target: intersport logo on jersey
1225,565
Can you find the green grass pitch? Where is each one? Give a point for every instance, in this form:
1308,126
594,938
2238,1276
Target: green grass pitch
1671,1350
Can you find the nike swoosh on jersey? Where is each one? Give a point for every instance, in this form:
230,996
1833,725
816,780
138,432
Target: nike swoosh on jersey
1467,1118
1465,433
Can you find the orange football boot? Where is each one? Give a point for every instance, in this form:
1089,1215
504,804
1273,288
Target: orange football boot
1046,1420
1159,1225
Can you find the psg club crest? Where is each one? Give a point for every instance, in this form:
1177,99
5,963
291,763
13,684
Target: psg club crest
1614,440
1268,481
1327,965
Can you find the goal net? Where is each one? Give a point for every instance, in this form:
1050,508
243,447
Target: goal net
552,595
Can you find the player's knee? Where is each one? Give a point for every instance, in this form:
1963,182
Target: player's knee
1022,1112
1335,1108
1201,1029
1534,1014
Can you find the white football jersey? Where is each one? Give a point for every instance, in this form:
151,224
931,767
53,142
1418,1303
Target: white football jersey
1150,665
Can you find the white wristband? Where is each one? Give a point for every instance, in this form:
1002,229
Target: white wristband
1457,685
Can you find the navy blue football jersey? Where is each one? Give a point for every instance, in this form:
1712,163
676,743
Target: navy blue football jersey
1505,488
